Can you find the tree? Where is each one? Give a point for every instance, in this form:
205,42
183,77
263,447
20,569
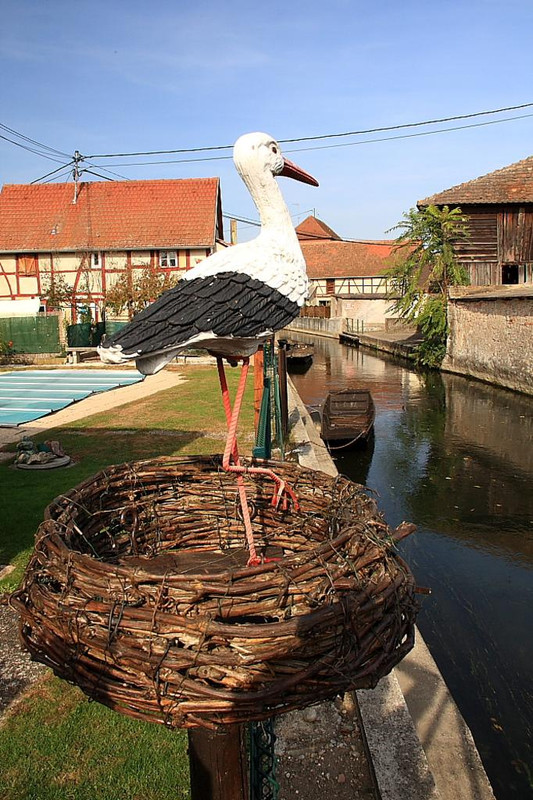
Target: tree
425,269
59,294
135,293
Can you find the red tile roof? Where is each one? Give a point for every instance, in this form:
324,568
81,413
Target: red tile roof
334,259
512,184
313,228
118,215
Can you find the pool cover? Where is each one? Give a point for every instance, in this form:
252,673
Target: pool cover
28,395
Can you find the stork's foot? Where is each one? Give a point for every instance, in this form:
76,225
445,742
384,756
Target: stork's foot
284,495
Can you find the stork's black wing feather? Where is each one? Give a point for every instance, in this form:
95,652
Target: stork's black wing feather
227,304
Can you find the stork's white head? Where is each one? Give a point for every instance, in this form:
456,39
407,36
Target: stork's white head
259,154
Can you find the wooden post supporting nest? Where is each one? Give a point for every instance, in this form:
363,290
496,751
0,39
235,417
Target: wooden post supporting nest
218,765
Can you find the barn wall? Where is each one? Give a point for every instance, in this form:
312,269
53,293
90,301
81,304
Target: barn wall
499,234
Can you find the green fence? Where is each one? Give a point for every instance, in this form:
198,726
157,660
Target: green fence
86,334
89,334
39,334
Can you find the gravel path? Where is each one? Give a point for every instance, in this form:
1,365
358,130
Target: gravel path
17,671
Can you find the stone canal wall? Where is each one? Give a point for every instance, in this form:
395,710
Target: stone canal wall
491,335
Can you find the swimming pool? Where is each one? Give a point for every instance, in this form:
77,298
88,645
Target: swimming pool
31,394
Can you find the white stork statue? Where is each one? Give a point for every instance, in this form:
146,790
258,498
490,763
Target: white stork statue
230,303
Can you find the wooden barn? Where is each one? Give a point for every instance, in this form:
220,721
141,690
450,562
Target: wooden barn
500,211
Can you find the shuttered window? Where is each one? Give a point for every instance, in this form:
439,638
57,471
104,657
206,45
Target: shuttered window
27,265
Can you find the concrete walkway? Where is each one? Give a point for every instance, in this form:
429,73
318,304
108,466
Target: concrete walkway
398,343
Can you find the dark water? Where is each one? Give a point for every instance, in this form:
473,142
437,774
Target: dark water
456,458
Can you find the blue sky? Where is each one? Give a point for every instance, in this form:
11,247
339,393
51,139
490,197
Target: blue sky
136,76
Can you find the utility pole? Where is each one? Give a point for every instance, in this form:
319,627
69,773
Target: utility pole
76,172
233,231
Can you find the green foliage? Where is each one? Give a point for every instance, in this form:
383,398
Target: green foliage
57,292
425,269
6,348
433,325
8,354
135,293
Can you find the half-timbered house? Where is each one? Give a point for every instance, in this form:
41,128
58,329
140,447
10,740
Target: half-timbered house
349,277
89,234
499,207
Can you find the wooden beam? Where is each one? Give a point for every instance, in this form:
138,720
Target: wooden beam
218,764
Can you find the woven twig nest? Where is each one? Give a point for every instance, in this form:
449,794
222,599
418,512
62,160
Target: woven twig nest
138,591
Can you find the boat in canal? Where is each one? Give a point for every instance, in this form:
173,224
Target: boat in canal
299,355
347,418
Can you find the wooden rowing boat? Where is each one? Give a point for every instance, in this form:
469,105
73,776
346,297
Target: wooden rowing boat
347,417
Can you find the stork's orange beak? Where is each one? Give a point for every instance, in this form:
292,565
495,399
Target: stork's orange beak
291,170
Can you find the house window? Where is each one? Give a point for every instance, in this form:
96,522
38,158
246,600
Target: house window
330,285
27,265
96,259
168,258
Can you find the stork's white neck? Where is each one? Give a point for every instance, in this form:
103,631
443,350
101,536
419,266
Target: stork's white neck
273,212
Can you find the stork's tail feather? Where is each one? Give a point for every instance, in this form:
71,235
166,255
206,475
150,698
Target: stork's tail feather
113,353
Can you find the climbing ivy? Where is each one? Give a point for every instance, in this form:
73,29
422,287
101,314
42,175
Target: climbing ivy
425,267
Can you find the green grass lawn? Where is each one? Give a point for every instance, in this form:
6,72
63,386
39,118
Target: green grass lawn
55,743
188,419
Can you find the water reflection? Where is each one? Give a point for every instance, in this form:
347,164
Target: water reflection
454,457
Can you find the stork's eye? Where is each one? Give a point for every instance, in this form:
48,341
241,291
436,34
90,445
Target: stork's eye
274,149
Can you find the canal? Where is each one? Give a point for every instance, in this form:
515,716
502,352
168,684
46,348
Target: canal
455,456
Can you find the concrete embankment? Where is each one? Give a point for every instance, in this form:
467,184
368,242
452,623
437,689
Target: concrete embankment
398,342
419,745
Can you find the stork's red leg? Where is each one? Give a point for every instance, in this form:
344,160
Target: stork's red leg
283,492
227,404
231,447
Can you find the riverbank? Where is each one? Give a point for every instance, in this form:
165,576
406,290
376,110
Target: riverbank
398,342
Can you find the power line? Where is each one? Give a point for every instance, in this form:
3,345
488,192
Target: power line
409,124
61,175
104,177
284,141
59,169
33,141
410,135
330,146
29,149
322,136
245,220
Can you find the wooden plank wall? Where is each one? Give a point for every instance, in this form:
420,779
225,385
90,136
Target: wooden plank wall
498,235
